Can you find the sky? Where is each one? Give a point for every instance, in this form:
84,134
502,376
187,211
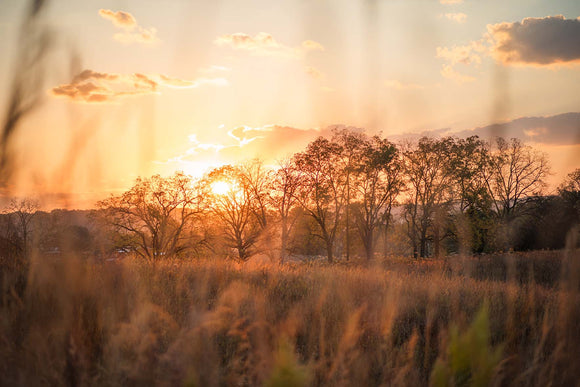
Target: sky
134,88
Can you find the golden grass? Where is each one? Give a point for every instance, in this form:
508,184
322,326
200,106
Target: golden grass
212,322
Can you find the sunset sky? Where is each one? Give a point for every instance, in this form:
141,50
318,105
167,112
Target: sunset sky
142,87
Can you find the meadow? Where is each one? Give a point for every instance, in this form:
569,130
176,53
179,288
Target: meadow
508,319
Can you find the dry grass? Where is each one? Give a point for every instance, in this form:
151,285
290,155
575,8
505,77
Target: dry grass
211,322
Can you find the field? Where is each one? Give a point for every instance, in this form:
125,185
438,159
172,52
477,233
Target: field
490,320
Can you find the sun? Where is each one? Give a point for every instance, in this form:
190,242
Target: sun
221,187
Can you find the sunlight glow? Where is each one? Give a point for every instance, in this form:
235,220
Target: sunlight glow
221,188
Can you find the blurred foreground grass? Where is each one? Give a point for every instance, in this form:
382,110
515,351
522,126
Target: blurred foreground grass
211,322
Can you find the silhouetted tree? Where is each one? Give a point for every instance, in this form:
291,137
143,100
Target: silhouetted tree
241,207
569,190
152,217
321,188
472,213
377,182
429,180
515,173
351,143
22,211
283,199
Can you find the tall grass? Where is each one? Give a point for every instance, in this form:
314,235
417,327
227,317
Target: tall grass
212,322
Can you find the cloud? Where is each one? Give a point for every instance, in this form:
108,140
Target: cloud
132,32
314,72
447,2
545,41
185,84
398,85
536,41
561,129
120,19
449,72
269,143
214,69
96,87
467,54
264,44
457,17
310,45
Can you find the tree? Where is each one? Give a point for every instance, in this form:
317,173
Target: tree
516,173
569,190
429,179
472,214
378,181
283,199
153,216
321,188
22,211
351,147
239,195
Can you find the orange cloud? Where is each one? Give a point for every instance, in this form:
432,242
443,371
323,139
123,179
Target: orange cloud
543,41
264,44
457,17
314,72
398,85
312,45
95,87
468,54
120,19
449,72
269,143
132,32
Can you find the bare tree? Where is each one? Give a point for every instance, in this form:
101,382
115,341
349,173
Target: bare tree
23,211
515,173
240,204
321,188
153,216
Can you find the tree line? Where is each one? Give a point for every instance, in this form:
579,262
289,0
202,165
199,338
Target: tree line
350,194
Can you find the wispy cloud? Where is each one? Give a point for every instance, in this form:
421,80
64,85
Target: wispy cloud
468,54
269,142
213,69
398,85
458,17
447,71
561,129
120,19
264,44
131,31
97,87
314,72
465,55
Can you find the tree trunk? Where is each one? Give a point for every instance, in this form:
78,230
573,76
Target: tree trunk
348,216
437,242
385,237
329,250
284,240
423,246
369,245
